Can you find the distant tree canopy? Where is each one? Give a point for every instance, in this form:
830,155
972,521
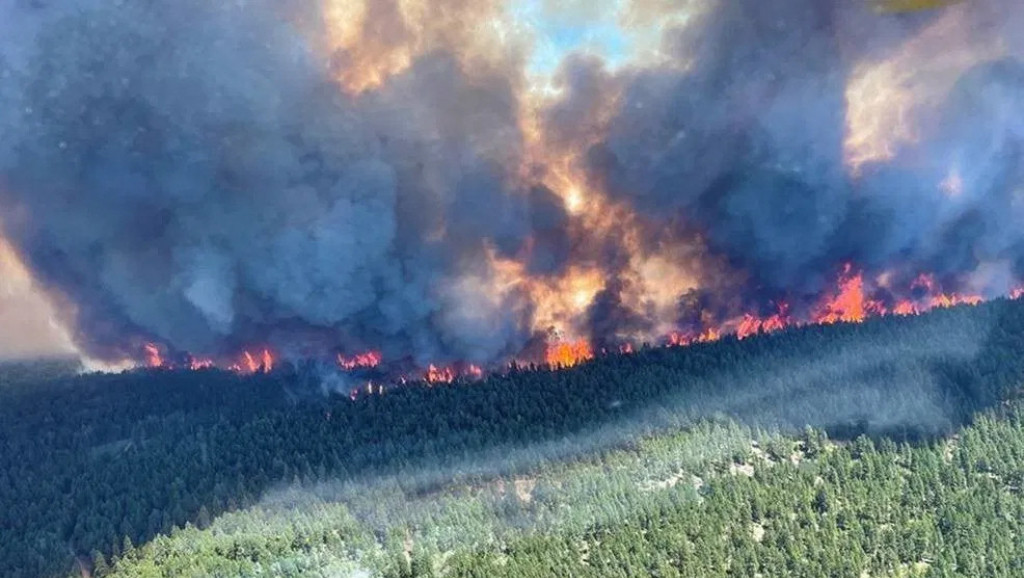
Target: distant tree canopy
588,471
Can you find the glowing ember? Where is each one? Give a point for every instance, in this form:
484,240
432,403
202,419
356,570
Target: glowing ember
367,360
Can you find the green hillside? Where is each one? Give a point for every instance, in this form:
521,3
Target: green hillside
890,448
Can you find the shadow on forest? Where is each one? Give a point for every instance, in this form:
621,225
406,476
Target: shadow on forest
100,457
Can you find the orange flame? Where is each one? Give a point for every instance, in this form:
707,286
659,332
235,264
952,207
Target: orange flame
568,354
250,362
944,301
474,372
153,356
905,308
937,299
752,324
263,362
439,374
366,360
195,364
680,339
850,304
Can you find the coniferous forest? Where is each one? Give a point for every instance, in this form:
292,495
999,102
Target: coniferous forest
894,447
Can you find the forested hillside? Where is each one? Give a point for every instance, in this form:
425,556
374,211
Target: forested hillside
689,461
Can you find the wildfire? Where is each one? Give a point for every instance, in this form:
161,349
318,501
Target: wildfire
449,374
195,364
261,362
568,354
154,358
439,374
850,304
853,300
940,301
752,324
474,372
681,339
904,308
366,360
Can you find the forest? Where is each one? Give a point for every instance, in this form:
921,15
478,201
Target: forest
894,447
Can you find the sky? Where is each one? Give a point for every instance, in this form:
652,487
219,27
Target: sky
564,27
619,31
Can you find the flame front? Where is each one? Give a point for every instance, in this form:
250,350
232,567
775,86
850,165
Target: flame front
443,181
367,360
849,305
568,354
850,302
197,364
262,361
439,374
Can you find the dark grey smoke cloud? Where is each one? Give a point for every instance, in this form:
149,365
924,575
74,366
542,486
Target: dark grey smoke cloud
743,136
188,172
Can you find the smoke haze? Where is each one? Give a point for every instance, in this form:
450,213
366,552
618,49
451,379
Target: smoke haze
331,176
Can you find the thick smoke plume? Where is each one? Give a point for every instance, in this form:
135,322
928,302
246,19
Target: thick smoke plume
190,172
335,177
